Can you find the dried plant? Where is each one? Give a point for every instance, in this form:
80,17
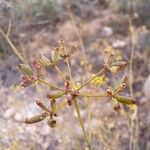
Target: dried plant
71,91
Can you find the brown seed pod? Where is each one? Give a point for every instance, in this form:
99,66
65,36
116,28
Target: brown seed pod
42,106
52,123
67,85
116,107
69,102
69,98
115,104
122,87
27,81
36,119
109,92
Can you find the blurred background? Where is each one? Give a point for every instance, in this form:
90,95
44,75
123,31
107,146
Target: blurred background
30,27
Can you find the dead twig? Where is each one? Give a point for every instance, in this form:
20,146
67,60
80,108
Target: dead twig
6,37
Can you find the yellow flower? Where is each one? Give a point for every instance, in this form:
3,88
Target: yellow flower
99,80
133,107
109,50
76,86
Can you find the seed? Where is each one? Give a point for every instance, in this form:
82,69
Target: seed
125,100
56,95
36,119
25,69
115,104
44,61
42,106
119,64
52,123
116,107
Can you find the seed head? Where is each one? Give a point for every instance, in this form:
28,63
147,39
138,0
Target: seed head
52,123
26,70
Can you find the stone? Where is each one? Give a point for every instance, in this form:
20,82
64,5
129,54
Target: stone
107,31
9,113
119,44
146,88
18,117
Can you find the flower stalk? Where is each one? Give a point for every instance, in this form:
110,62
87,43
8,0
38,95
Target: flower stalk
71,92
81,122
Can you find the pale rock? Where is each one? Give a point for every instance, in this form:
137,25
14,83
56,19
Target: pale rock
9,113
146,88
107,31
119,44
18,117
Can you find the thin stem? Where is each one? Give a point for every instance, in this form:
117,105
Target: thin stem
77,109
9,28
42,106
78,33
61,106
89,120
89,80
90,113
92,95
50,84
60,72
12,46
134,142
81,122
69,70
131,57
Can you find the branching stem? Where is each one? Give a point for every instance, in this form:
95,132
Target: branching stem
69,70
50,84
92,95
60,73
89,80
11,44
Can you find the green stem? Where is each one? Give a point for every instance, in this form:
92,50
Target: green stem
81,123
131,56
92,95
89,80
89,120
60,73
69,70
61,106
78,34
50,84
